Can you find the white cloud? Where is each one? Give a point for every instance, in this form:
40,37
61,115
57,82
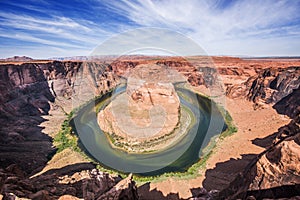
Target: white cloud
163,41
55,32
29,38
206,22
54,21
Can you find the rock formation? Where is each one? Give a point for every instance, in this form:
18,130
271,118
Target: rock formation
24,98
75,181
275,172
289,105
268,86
148,110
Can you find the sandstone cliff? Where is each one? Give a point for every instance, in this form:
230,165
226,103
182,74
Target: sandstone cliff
268,86
24,98
81,180
29,91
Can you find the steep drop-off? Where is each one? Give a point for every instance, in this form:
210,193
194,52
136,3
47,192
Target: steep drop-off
27,93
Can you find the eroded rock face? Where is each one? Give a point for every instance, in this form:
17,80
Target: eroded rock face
275,172
268,86
289,105
280,166
148,110
88,184
29,91
125,189
24,97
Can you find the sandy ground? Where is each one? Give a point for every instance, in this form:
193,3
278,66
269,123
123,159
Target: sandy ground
232,153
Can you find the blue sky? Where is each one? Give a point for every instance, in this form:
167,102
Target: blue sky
43,29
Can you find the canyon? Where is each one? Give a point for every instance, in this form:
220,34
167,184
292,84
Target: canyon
260,160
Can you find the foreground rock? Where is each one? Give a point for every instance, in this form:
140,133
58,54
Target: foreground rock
275,172
66,184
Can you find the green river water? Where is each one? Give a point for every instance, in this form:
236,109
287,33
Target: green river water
209,122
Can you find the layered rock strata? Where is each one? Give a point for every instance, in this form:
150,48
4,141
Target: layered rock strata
82,181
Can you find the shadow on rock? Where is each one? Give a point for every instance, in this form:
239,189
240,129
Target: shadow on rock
266,141
146,194
79,180
285,191
24,98
224,173
289,105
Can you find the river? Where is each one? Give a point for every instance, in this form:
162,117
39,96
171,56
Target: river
208,122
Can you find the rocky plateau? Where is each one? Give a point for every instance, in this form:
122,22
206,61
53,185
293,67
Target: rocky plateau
148,110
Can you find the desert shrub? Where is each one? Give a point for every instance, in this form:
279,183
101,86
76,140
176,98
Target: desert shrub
65,137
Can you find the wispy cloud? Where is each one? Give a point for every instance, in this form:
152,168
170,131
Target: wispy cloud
207,18
210,21
58,32
54,21
61,27
29,38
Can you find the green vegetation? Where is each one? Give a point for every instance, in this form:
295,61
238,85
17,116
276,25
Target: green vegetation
192,172
231,128
65,137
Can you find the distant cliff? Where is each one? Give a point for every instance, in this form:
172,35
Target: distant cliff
17,59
